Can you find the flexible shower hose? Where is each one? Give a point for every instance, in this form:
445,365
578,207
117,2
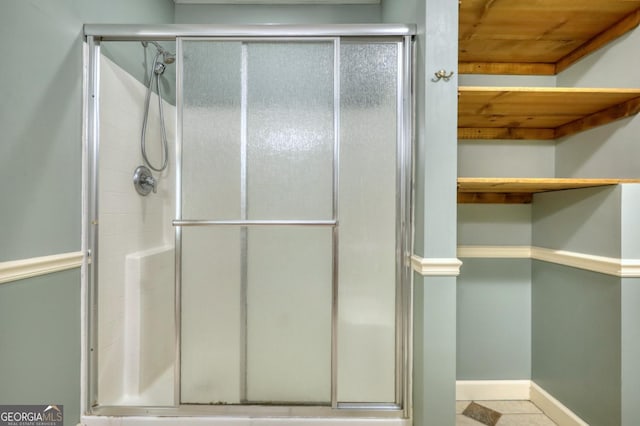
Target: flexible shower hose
156,71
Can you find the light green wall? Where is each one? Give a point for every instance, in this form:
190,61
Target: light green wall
40,176
494,224
41,117
576,340
40,349
610,150
630,320
576,314
399,11
585,220
630,351
494,319
276,14
435,210
130,56
494,295
436,131
488,158
630,226
434,351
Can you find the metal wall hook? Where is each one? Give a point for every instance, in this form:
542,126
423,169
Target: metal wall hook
442,74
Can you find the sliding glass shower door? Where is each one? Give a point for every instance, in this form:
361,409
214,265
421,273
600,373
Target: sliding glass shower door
291,221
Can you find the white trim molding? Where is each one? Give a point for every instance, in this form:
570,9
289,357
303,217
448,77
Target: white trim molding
14,270
624,268
553,408
604,265
445,267
493,390
495,252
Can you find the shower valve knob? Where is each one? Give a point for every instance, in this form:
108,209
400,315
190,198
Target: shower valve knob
151,182
143,181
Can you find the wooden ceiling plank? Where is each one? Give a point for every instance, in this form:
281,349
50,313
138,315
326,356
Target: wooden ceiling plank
541,31
628,23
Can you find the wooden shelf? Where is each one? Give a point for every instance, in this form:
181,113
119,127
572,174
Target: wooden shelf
521,190
540,112
541,37
538,37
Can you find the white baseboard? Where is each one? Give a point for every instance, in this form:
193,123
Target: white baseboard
553,408
491,390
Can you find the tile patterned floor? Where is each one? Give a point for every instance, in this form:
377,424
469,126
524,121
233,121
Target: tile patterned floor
514,413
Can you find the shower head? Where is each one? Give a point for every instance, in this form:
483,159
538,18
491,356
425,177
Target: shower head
167,57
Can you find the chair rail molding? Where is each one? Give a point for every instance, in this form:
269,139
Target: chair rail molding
624,268
445,267
14,270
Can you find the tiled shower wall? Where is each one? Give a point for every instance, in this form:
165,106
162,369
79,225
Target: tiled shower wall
130,227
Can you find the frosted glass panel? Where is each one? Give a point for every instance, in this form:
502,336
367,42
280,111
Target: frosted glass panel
290,130
211,315
258,143
367,274
289,315
211,130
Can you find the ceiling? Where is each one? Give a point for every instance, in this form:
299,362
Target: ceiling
277,1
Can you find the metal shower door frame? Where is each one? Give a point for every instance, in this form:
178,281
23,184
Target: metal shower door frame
403,36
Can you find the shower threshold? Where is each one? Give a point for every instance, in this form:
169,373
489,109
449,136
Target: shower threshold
238,421
253,415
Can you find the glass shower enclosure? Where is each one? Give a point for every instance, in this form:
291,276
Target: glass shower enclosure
269,273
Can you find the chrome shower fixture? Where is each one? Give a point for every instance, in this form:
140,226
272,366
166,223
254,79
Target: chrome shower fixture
143,180
167,57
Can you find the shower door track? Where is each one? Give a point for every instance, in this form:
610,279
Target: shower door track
355,411
254,223
128,32
94,34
